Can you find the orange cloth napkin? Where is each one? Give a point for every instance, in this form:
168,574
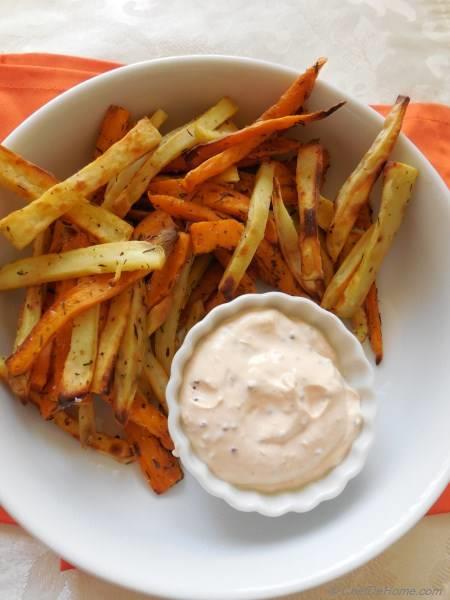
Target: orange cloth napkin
27,81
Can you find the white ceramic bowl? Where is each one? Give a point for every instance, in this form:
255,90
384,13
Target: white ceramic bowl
102,517
353,365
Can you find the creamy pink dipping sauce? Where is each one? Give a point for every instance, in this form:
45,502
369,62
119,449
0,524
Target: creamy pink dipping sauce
264,405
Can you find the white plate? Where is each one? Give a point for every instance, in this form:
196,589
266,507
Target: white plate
102,516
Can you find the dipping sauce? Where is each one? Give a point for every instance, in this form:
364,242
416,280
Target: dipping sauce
264,404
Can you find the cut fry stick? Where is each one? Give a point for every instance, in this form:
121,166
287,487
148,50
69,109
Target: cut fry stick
151,419
158,464
163,281
114,126
88,292
254,132
94,260
30,182
206,236
270,149
327,263
198,269
360,325
374,323
287,234
171,147
86,421
309,179
290,102
355,191
41,368
183,209
109,343
156,376
165,337
80,362
195,314
154,225
253,232
23,225
247,284
231,175
274,271
345,271
130,358
158,315
158,118
398,182
168,187
115,447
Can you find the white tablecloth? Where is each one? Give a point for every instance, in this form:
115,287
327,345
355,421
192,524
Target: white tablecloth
376,49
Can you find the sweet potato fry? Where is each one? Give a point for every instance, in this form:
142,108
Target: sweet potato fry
356,189
151,419
158,314
114,126
198,269
151,227
29,182
171,146
163,281
109,342
23,225
165,337
253,232
88,292
228,151
309,179
169,187
41,368
206,236
398,183
93,260
272,148
156,376
158,464
205,289
374,323
182,209
254,132
290,102
195,313
274,271
129,362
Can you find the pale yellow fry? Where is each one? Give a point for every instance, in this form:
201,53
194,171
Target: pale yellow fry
165,337
230,175
205,135
158,118
86,421
287,235
356,189
360,326
131,355
22,226
345,271
93,260
253,233
30,182
30,313
325,213
170,148
80,362
156,376
308,180
198,269
327,263
398,182
109,343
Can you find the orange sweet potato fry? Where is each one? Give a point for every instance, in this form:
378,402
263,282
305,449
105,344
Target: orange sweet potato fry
150,227
160,467
114,126
206,236
273,147
41,369
168,186
158,315
162,282
182,209
150,418
274,271
207,285
87,292
290,102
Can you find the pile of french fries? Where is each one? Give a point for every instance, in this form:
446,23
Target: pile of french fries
140,244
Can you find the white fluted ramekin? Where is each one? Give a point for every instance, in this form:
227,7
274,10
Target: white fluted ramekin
353,365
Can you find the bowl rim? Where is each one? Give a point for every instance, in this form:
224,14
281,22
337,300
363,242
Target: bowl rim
417,509
361,377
